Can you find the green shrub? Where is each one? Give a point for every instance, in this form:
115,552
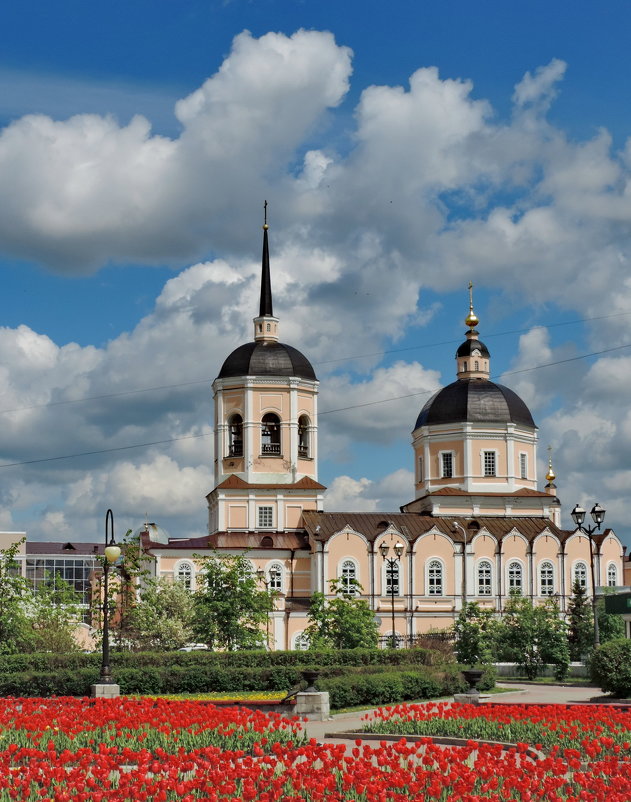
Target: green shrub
611,667
387,687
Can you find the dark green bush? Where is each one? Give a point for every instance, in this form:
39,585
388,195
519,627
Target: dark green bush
387,687
611,667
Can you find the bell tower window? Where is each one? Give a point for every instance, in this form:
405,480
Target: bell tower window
490,468
447,464
270,434
303,436
235,435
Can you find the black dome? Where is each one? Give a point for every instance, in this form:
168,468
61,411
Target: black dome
468,346
267,359
476,401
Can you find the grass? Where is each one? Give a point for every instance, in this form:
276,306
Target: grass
239,696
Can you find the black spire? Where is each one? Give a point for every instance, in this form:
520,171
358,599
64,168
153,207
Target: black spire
265,309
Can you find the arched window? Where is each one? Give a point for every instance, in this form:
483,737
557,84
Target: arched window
275,577
392,575
235,436
435,578
349,577
303,436
612,575
300,642
270,434
477,365
484,578
184,574
546,578
515,577
580,574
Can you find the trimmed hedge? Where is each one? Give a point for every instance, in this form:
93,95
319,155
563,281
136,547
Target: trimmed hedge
373,682
391,687
45,661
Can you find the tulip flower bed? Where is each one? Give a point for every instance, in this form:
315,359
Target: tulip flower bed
143,750
67,724
591,731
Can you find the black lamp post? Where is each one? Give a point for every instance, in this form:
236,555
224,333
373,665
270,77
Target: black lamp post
391,562
598,516
111,554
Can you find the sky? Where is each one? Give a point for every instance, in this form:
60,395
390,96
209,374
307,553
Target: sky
404,149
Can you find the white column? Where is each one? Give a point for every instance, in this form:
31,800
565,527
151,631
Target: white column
251,432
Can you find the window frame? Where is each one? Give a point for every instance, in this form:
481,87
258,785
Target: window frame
488,452
512,587
484,583
612,567
523,465
443,456
549,581
580,565
263,510
430,586
270,435
347,562
177,568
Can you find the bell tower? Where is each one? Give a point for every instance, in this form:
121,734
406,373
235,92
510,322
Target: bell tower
266,448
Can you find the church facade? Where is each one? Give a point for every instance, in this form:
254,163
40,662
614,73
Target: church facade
478,528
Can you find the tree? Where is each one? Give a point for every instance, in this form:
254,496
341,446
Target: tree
231,610
473,636
610,625
343,622
535,635
53,611
580,622
15,629
162,618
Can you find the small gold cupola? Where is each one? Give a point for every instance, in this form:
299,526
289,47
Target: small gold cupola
473,357
550,475
265,325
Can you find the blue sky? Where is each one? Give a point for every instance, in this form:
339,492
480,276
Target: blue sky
404,150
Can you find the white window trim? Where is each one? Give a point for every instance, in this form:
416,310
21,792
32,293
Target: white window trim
297,636
523,455
611,565
523,575
573,576
268,569
176,570
428,562
259,508
482,466
554,578
420,474
341,564
384,584
441,473
477,578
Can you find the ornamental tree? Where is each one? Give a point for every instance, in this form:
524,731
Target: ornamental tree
580,621
162,617
473,635
342,622
535,635
231,610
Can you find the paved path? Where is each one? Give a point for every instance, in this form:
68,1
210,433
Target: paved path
541,694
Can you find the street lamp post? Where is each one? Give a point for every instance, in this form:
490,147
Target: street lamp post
391,562
111,554
598,516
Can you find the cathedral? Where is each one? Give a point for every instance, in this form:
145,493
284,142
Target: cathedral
478,528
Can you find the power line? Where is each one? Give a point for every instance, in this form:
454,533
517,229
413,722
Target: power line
325,412
388,352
